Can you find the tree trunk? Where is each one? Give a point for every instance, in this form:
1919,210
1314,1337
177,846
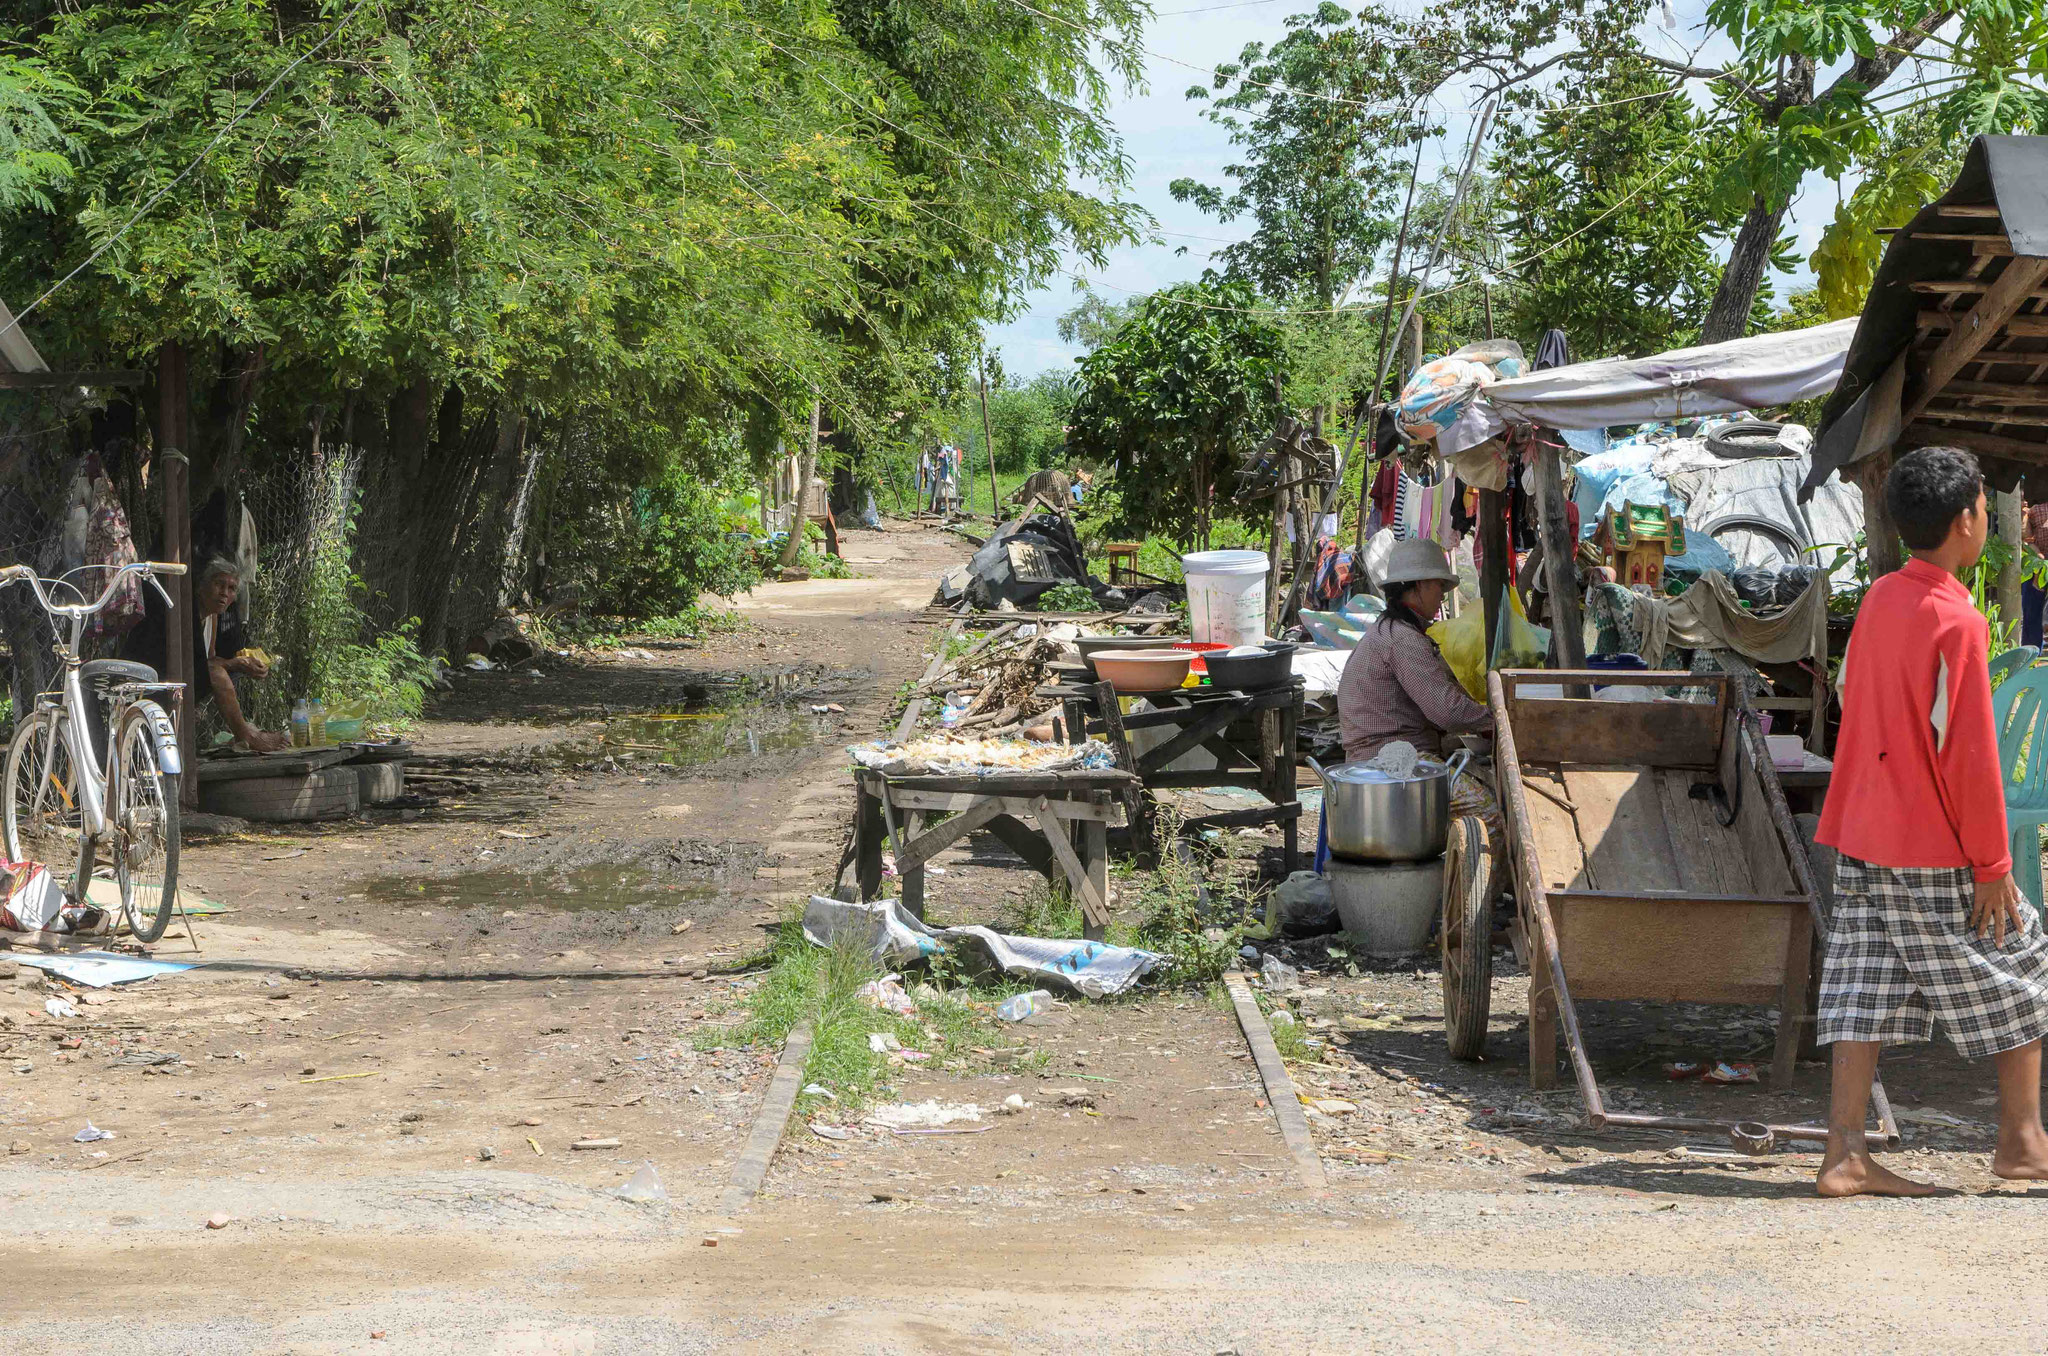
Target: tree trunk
806,467
512,553
1743,277
411,425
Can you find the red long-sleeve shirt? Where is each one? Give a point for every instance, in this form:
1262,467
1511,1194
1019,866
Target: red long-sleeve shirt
1917,779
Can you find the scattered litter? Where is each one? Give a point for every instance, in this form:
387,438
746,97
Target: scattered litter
682,927
514,833
922,1115
534,1144
219,1221
1280,977
909,1057
1928,1115
595,1144
92,1134
820,1090
1013,1104
1680,1069
338,1078
1092,969
285,856
1329,1106
823,1131
1018,1006
1724,1072
887,994
643,1185
881,1042
59,1007
143,1059
98,969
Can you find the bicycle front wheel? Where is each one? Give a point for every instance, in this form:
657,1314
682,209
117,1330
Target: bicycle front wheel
40,818
142,815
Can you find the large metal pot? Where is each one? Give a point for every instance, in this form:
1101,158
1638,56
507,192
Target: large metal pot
1373,820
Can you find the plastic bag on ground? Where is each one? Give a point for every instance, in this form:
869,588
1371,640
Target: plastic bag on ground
1305,905
892,935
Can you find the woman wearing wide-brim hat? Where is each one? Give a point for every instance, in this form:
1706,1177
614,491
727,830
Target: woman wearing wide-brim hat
1398,686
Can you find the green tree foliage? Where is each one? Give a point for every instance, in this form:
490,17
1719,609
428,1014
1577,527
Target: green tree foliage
1094,320
1188,386
1028,420
1615,212
649,233
1914,163
1316,181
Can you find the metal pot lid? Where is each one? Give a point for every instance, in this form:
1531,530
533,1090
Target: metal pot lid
1365,774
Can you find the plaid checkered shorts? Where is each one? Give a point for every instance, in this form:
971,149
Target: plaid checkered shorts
1901,954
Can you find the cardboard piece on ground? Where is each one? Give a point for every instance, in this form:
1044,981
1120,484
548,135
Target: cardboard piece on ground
107,894
99,969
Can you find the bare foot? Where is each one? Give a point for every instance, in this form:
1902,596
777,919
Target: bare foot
2026,1161
1859,1175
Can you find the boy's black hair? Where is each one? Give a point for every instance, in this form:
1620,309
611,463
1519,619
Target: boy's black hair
1927,489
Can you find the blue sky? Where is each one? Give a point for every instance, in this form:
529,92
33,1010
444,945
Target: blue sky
1167,138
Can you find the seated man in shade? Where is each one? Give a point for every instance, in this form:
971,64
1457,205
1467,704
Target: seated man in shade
218,650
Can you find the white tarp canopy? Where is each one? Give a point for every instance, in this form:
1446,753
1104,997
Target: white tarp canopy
1687,383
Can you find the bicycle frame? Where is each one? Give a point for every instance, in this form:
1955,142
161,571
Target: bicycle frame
92,777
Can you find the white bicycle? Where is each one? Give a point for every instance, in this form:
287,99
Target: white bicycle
98,768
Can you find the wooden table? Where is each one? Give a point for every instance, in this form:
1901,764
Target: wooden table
1251,734
1053,820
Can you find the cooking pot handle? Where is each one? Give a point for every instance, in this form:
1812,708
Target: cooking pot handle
1458,762
1317,768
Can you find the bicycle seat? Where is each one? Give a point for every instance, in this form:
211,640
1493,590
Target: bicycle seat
116,671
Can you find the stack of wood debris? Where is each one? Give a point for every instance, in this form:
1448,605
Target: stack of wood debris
998,676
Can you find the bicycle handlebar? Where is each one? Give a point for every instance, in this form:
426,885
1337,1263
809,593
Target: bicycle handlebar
13,574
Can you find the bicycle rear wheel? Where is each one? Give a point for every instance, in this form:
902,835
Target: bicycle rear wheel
40,818
142,822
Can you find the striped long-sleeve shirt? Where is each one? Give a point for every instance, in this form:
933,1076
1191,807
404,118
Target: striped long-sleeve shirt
1396,686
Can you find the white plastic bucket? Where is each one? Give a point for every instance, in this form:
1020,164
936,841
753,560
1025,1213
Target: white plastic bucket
1226,596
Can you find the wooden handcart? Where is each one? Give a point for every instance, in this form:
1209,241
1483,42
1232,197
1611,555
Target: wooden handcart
1654,858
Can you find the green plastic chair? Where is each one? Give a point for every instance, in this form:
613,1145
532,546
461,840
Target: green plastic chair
2019,712
2012,661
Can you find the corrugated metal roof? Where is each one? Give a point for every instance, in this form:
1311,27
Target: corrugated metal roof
1952,346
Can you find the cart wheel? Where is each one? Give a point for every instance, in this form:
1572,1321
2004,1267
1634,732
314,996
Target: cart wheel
1467,938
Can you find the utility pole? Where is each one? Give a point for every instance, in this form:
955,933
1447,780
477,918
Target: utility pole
995,510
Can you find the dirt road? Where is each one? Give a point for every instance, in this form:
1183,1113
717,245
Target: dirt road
402,1026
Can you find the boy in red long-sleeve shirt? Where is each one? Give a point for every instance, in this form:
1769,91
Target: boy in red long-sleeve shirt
1928,924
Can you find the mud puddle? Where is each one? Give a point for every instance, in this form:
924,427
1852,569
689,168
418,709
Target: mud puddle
577,889
692,738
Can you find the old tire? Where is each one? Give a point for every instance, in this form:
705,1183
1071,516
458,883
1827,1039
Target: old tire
1467,937
330,793
379,783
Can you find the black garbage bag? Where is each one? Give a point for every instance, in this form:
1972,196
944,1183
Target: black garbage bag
1756,585
1793,582
1024,559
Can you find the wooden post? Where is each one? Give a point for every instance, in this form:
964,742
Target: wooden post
2012,531
1495,564
1559,550
1415,347
1274,541
172,438
1881,534
988,437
